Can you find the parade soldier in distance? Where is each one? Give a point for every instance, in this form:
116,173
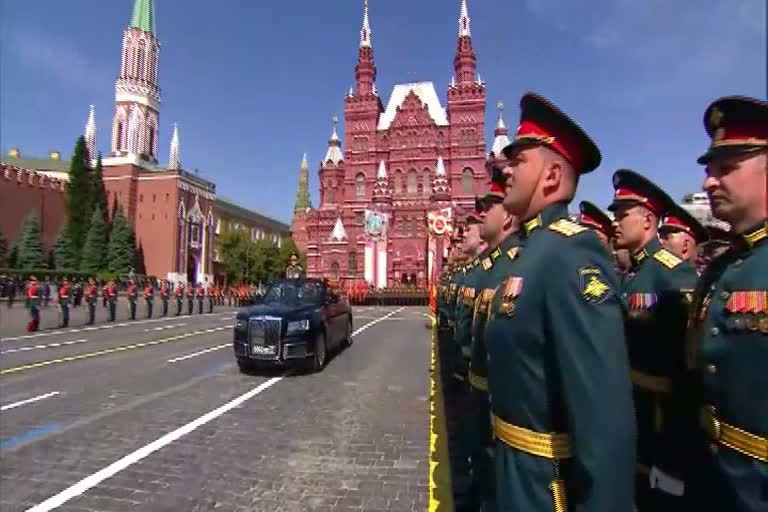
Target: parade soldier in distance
498,230
165,293
200,292
190,298
149,296
558,378
110,291
64,302
595,219
656,292
33,304
682,234
179,293
90,298
727,344
294,270
132,297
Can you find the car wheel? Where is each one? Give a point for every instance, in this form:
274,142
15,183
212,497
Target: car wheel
348,337
321,350
245,366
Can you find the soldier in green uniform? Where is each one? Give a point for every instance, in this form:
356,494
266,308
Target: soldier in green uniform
656,292
558,377
594,218
499,230
682,234
727,349
474,248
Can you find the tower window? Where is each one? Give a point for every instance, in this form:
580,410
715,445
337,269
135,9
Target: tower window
412,185
352,262
466,181
119,136
335,270
360,187
398,180
140,70
151,142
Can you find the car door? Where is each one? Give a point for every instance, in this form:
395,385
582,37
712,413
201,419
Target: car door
336,317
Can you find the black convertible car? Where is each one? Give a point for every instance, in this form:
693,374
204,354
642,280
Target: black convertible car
296,321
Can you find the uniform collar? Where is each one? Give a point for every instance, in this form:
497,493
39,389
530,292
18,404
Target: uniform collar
649,249
757,234
545,217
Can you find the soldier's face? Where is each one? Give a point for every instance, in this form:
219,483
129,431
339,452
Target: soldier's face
631,223
736,186
294,260
471,239
493,224
522,174
680,243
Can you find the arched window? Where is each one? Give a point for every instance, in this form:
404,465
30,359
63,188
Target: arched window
466,181
119,134
426,182
329,195
360,187
412,179
140,69
398,182
335,270
151,141
352,263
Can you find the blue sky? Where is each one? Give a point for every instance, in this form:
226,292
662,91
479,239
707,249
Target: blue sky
253,84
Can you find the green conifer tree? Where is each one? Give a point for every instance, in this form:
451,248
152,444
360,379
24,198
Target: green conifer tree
95,244
79,198
121,250
30,248
98,192
63,253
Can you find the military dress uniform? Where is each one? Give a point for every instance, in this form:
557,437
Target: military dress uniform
132,297
727,343
656,293
110,295
179,294
595,219
64,303
294,272
149,297
558,378
165,292
90,299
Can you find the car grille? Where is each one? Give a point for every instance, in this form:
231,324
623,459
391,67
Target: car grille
263,332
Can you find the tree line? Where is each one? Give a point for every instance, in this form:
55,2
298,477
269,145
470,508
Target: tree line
91,240
258,261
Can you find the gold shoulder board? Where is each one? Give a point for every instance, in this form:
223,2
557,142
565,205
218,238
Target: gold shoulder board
512,252
566,228
666,258
487,263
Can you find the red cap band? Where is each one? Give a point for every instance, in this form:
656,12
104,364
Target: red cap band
626,194
555,137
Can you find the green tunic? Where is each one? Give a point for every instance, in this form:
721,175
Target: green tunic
656,293
728,357
557,363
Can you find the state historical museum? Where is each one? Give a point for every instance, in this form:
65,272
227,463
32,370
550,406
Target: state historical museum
397,164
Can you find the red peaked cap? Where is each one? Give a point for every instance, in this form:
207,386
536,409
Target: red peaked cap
475,216
595,218
736,124
542,123
679,219
497,185
632,188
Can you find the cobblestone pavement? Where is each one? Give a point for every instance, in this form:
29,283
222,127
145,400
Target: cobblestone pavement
176,427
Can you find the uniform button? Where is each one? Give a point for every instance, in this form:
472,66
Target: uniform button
715,331
724,295
711,368
713,448
624,295
712,287
738,262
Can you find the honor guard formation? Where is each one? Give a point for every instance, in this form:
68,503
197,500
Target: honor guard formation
615,363
139,297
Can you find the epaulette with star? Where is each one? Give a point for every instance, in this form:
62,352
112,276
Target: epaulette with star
512,252
666,258
487,263
566,228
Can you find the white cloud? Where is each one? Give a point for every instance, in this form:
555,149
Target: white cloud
58,57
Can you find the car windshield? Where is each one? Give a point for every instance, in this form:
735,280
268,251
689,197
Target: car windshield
293,292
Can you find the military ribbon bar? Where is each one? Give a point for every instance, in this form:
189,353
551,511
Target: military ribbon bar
755,301
642,301
513,287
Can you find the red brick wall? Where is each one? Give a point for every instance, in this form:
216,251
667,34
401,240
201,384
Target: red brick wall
18,198
156,222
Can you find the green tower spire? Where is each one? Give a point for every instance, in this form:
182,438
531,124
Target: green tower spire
144,16
302,195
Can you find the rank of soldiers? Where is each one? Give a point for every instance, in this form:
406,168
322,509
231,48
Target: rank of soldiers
604,365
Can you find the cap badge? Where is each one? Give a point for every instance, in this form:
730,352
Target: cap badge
715,117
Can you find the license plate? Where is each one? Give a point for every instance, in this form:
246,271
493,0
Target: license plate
261,349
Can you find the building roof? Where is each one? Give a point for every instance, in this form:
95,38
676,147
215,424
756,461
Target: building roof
234,209
38,164
426,93
143,16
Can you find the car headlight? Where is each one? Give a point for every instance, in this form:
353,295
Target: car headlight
299,325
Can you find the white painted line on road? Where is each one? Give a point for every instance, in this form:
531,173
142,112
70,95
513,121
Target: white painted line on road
132,458
162,328
199,353
95,479
29,400
110,326
37,347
